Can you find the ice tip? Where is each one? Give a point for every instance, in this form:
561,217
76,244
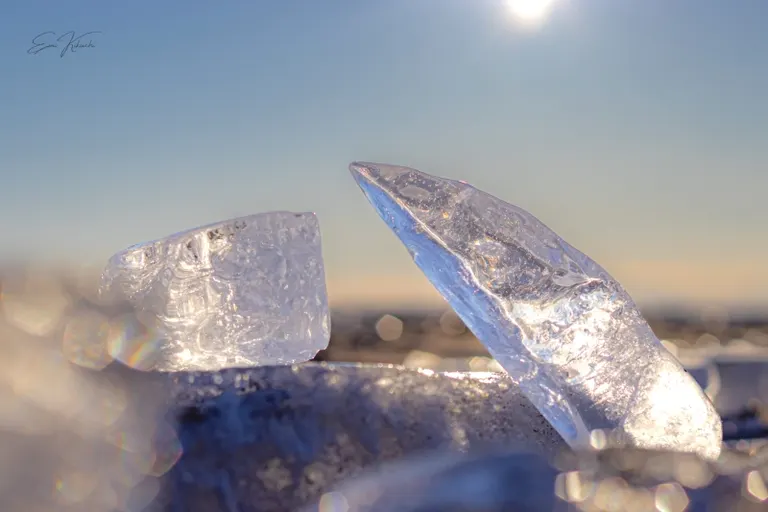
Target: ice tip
382,174
362,170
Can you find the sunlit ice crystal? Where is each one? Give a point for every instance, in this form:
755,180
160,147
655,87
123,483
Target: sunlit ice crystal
553,318
244,292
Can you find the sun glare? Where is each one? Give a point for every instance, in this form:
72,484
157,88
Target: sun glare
532,12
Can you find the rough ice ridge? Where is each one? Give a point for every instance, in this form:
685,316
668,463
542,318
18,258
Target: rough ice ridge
554,319
243,292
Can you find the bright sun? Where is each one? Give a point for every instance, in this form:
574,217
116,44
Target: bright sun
530,11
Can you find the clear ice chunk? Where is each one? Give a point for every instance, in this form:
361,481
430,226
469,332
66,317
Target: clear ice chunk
553,318
244,292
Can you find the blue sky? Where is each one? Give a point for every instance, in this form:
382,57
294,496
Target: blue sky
636,129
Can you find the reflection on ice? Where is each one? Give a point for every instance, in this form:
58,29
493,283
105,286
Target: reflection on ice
552,317
244,292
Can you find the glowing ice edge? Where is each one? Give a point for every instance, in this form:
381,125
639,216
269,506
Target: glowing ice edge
556,321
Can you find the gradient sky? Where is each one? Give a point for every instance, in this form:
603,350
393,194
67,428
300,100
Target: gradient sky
638,130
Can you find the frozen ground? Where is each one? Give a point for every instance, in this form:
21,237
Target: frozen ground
81,433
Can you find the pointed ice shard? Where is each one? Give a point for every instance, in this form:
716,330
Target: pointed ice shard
239,293
552,317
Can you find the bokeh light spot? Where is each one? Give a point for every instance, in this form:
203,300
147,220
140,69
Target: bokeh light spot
389,328
85,340
133,343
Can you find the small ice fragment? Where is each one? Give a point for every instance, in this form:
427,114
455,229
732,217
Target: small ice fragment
244,292
552,317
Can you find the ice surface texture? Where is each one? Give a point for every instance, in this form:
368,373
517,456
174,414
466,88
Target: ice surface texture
275,438
554,319
239,293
